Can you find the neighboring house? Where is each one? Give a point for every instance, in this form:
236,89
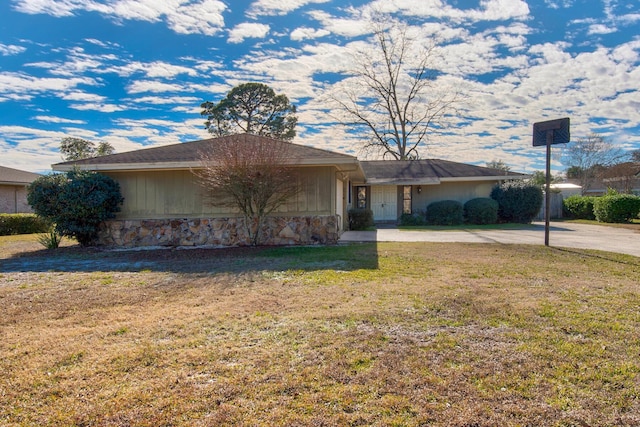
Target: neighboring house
165,205
13,190
622,177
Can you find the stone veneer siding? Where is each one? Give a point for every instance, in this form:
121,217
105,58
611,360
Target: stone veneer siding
218,232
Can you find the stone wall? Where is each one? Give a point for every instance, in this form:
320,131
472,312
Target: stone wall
218,232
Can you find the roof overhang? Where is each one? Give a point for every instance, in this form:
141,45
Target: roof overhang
15,183
403,181
344,165
485,178
436,181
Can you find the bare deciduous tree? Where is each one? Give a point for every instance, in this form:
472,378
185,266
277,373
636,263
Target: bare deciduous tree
249,173
396,97
588,157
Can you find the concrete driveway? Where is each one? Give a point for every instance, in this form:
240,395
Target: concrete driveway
562,234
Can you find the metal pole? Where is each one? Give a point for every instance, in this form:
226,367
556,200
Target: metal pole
547,190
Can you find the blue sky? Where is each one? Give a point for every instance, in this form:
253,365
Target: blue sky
134,72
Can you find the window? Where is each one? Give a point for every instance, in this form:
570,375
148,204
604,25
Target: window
406,199
362,197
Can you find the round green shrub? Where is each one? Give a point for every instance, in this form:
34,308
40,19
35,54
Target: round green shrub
579,207
76,202
445,212
417,218
360,219
481,210
616,208
518,201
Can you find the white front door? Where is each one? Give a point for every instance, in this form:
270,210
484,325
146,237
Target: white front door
384,202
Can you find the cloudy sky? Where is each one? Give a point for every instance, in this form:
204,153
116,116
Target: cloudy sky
134,72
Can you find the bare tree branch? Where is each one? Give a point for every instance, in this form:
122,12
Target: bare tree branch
253,175
397,98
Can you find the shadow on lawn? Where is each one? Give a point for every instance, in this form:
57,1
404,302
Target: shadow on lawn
197,260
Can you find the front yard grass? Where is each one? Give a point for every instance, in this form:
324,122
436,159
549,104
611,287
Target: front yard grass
387,334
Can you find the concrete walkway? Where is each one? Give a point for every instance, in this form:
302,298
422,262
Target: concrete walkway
570,235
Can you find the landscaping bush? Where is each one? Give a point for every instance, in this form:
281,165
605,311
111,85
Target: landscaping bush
76,202
481,210
417,218
11,224
579,207
616,208
445,212
51,239
360,219
518,201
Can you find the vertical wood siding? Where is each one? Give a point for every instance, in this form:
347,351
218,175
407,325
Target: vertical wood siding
177,194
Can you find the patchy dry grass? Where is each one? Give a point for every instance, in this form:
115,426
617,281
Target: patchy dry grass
385,335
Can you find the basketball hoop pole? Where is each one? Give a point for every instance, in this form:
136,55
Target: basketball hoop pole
548,133
547,190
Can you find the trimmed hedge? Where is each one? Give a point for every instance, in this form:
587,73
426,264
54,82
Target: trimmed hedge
445,212
360,219
481,210
579,207
616,208
417,218
11,224
518,201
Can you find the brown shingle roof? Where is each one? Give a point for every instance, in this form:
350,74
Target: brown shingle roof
187,155
16,177
428,171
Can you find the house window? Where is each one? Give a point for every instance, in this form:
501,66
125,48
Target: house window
362,197
406,199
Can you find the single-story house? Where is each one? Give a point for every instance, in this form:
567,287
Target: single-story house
13,190
164,203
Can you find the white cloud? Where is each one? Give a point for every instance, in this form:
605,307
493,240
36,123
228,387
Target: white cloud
11,49
558,4
495,10
151,69
82,97
27,86
489,10
348,27
53,119
103,108
153,86
247,30
304,33
280,7
165,100
182,16
601,29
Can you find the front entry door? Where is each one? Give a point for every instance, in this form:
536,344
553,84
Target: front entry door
384,202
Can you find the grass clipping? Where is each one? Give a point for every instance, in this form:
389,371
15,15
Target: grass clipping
372,334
